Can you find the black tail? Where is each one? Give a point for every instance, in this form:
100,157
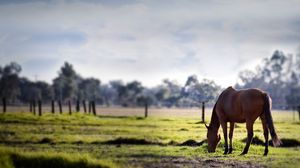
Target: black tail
267,110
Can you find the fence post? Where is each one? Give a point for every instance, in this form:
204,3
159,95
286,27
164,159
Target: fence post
40,107
203,112
60,107
70,108
52,107
77,105
84,106
34,105
4,104
146,109
94,107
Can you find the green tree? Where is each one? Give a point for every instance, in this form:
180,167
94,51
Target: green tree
65,85
9,81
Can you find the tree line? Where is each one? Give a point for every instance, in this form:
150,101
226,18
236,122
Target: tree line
71,86
279,75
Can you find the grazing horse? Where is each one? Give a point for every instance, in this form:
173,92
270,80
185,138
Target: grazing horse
240,106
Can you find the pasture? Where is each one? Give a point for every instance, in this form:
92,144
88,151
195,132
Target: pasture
121,137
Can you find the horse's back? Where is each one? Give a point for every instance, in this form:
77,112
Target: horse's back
239,105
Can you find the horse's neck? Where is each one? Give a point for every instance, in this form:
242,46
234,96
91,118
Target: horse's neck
214,122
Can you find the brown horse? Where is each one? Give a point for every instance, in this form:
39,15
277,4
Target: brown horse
240,106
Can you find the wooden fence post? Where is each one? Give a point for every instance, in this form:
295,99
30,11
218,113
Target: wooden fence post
40,107
146,109
4,104
77,105
34,105
94,107
52,107
60,107
203,112
70,108
84,106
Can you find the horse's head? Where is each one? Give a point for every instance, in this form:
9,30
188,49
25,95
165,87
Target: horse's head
213,138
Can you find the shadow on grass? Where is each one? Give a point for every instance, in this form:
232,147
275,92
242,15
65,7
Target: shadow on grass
285,142
20,161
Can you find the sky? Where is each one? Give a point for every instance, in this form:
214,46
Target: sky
144,40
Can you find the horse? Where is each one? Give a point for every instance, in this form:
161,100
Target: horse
240,106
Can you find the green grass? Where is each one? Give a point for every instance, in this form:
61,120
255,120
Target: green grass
82,141
17,157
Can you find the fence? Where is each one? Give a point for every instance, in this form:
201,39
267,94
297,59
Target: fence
38,108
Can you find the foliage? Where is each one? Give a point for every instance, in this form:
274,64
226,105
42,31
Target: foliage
279,76
9,83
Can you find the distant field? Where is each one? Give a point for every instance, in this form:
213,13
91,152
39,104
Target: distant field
121,137
279,115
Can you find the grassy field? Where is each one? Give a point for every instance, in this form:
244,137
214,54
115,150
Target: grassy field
123,138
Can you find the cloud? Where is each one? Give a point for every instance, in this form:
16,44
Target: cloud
147,40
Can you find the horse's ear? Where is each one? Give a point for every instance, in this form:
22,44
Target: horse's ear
206,125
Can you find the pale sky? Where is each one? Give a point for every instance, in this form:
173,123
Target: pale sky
146,40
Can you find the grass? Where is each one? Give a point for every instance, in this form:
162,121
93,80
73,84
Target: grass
112,141
15,157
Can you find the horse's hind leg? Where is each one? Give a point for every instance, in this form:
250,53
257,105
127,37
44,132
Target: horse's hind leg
224,127
266,134
230,137
249,126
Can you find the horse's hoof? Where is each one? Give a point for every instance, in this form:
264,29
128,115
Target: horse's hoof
265,154
230,151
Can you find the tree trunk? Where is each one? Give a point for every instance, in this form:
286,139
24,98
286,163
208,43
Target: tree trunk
203,112
90,106
52,107
84,106
77,105
30,106
298,111
34,105
94,107
60,107
4,104
40,107
70,108
146,109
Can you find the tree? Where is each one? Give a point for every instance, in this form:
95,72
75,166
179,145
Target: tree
9,81
198,92
89,88
272,76
65,85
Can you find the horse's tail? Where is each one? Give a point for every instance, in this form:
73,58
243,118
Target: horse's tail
267,110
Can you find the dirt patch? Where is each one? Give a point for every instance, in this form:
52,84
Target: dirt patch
180,162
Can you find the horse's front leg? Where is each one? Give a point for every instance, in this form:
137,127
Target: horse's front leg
249,126
224,127
230,136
